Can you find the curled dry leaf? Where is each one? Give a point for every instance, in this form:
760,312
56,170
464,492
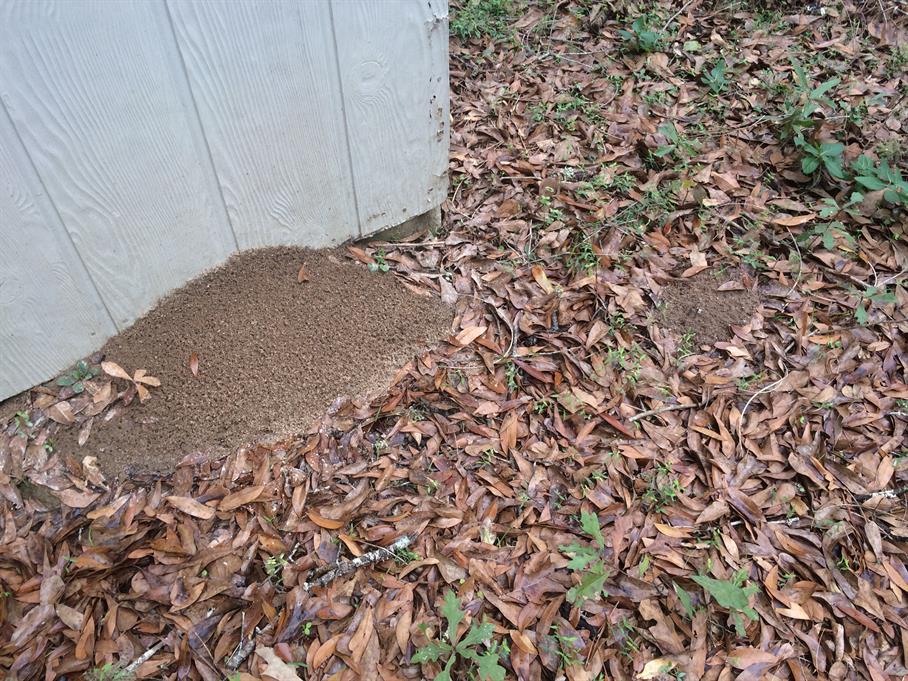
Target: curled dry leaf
115,370
191,507
194,363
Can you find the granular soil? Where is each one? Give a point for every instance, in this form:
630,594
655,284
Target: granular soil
273,353
696,305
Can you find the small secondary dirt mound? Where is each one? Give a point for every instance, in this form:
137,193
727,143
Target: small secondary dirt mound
698,306
273,353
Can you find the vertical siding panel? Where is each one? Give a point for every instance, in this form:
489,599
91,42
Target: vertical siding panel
92,88
45,293
394,72
265,81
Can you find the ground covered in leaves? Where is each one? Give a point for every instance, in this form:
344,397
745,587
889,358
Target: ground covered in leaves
594,487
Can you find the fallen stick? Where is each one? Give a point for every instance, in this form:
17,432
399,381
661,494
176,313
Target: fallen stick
144,657
246,647
660,410
349,566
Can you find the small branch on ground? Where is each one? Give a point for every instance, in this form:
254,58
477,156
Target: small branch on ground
349,566
142,659
345,568
660,410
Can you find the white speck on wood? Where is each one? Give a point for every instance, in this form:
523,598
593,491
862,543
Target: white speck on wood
394,71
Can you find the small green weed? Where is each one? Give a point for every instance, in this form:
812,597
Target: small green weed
581,256
77,376
678,144
732,595
274,567
23,422
663,487
108,672
380,264
512,375
480,18
588,561
869,296
485,665
715,78
832,232
406,556
567,650
826,155
686,345
803,100
881,177
641,36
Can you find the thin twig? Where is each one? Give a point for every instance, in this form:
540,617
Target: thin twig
660,410
349,566
675,15
246,647
142,659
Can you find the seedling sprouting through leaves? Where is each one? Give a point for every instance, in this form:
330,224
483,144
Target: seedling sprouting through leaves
827,155
732,595
23,422
832,232
641,36
451,648
802,103
587,560
881,177
715,78
380,264
677,144
871,295
76,378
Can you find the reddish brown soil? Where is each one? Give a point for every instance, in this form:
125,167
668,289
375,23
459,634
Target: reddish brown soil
696,305
273,353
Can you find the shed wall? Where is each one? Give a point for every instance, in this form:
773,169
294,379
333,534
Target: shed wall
144,141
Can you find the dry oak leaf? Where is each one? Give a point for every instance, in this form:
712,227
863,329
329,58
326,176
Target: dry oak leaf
275,667
190,506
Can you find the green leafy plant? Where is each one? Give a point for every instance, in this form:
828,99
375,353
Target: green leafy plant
108,672
663,487
641,35
480,18
23,422
832,232
380,264
485,665
274,567
677,144
869,296
77,376
581,256
881,177
715,78
827,155
803,100
732,595
566,648
588,561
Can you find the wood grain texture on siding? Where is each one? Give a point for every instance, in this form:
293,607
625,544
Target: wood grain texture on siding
45,294
393,58
264,77
95,90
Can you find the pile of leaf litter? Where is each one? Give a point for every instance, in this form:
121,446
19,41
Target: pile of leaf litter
591,493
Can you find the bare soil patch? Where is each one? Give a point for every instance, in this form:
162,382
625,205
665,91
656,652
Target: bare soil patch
707,305
273,353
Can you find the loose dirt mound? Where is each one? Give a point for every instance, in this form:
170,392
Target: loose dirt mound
272,353
699,305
